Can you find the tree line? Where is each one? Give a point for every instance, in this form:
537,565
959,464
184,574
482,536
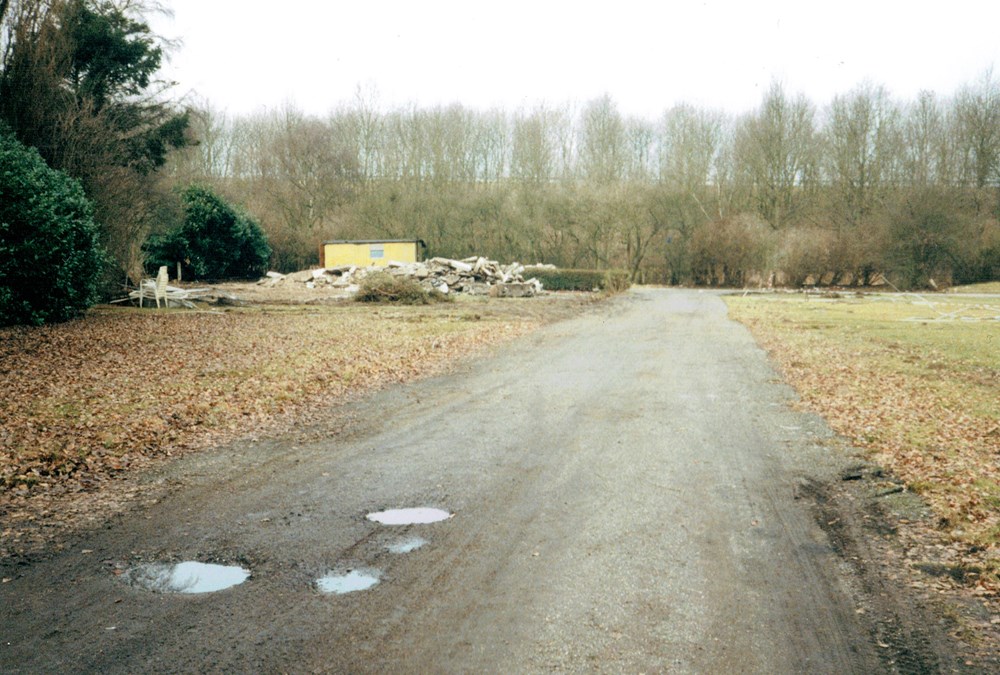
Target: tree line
865,185
790,192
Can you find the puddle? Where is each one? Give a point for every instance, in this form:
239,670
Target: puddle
346,583
417,516
187,577
407,545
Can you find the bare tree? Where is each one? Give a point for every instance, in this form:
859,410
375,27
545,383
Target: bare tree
776,154
534,147
926,146
977,128
368,126
309,174
602,142
690,142
640,149
862,138
210,158
491,146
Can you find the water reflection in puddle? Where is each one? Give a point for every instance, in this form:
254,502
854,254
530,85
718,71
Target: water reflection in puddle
187,577
346,583
417,516
406,545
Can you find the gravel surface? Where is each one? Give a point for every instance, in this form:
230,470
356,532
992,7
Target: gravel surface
630,491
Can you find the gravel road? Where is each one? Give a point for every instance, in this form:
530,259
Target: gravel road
627,497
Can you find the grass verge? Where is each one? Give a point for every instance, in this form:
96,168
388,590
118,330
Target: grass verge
560,279
914,380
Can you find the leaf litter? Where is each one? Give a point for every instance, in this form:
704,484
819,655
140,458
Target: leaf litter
105,395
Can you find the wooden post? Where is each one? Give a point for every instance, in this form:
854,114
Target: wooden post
178,271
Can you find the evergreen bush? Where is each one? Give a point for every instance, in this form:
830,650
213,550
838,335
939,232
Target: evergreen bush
50,260
215,241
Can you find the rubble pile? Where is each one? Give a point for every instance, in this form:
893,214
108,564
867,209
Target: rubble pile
172,296
474,276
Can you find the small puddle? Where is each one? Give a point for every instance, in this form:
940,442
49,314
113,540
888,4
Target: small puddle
187,577
417,516
346,583
407,545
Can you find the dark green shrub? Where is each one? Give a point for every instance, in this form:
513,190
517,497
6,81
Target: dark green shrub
50,260
215,241
576,280
384,287
566,279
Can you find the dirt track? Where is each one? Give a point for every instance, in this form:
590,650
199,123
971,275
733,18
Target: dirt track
631,493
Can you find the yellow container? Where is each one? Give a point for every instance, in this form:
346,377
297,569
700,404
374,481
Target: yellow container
369,253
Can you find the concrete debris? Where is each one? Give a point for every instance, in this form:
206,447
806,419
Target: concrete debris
473,276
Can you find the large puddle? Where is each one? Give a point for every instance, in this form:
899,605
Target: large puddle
355,580
187,577
416,516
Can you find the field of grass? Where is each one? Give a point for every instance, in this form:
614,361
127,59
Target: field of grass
89,398
914,379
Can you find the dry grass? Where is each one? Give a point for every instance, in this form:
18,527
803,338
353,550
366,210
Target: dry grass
913,379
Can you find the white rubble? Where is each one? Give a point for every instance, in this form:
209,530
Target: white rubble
474,276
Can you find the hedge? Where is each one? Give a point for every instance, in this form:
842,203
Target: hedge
613,281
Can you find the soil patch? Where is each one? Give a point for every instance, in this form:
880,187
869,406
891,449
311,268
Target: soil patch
916,611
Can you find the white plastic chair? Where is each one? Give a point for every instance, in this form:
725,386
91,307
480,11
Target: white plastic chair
161,287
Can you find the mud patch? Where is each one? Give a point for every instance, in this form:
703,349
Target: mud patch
414,516
339,584
900,626
186,577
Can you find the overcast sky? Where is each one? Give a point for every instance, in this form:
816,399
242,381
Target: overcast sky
243,55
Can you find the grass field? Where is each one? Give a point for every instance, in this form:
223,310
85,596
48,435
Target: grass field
913,379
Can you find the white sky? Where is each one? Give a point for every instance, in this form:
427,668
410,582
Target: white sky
243,55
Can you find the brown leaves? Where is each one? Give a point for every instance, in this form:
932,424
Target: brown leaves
84,399
913,395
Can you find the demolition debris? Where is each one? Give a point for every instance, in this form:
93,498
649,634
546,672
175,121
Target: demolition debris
473,276
172,296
